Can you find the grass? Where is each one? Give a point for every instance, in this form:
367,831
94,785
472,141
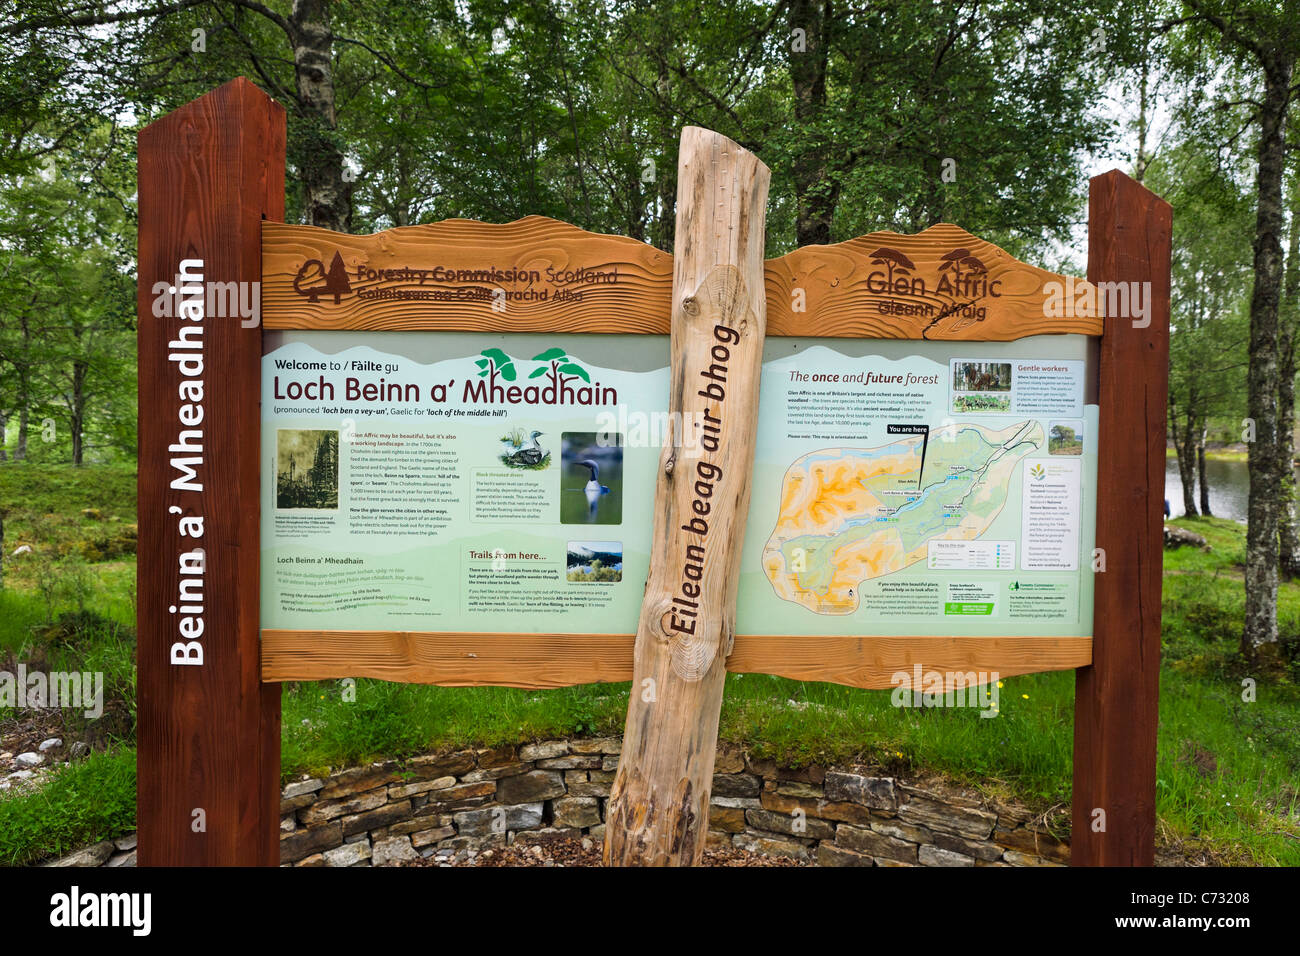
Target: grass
1227,775
1215,454
89,801
81,526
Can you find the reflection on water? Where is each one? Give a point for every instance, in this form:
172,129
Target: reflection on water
1229,483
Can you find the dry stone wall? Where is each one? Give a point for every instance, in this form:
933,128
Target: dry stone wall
454,805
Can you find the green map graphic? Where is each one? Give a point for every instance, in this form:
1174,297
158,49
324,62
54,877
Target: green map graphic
849,514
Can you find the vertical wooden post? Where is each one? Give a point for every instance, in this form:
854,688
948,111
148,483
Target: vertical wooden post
1115,700
659,804
208,730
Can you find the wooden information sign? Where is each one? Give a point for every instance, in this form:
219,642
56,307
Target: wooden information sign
458,454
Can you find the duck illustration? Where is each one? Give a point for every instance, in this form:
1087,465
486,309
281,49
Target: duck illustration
593,488
529,453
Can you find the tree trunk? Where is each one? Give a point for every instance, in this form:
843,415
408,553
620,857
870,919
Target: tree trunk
1200,469
318,155
1289,317
662,236
1288,544
815,193
24,370
659,804
78,410
4,428
1185,456
1259,631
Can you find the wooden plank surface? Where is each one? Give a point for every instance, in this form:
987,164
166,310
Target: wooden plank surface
560,660
1116,698
551,277
208,737
942,284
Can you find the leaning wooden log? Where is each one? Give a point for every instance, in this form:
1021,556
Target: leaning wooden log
659,805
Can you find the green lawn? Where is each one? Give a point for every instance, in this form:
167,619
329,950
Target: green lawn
1227,773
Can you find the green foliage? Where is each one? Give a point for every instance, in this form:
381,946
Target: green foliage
67,307
83,803
322,729
75,521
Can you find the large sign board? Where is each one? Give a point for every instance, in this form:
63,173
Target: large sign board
208,735
462,422
451,481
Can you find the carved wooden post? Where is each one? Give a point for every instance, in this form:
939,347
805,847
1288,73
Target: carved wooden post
659,804
1116,700
208,734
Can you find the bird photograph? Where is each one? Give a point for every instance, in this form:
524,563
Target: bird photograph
593,489
591,479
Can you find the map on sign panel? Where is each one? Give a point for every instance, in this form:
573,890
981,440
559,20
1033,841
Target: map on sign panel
851,514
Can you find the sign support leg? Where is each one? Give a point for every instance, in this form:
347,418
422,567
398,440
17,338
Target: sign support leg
208,729
1115,702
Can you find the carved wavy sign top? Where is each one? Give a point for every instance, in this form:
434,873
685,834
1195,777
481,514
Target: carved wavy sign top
539,274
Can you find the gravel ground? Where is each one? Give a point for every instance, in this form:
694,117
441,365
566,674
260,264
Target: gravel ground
586,852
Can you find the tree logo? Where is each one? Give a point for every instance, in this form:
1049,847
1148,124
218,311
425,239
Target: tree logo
1038,472
953,263
559,367
894,262
493,363
332,282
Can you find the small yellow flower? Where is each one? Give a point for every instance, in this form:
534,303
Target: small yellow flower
999,683
1025,696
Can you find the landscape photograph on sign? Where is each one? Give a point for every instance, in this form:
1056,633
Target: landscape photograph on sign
307,468
1065,437
547,435
591,561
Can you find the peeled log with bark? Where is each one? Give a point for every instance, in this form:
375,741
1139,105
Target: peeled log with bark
659,804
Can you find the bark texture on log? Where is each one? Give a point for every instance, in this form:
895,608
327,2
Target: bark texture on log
659,803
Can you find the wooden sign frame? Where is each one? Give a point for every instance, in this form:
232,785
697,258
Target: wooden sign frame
211,190
836,286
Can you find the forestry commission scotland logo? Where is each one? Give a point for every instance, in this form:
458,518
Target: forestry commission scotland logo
314,280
